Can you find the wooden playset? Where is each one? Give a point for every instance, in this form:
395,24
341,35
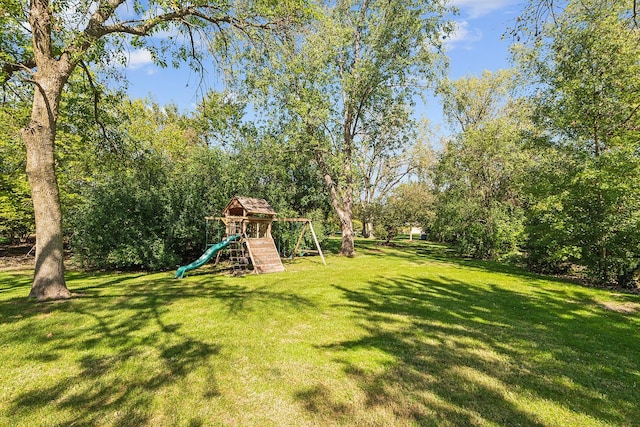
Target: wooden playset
248,224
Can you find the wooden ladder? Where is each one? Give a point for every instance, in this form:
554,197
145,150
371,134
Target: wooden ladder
238,257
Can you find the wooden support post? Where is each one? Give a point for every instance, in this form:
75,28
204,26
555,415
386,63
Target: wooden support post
307,222
295,251
315,239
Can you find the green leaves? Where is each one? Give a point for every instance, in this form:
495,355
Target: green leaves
479,177
143,206
343,88
589,69
588,102
16,208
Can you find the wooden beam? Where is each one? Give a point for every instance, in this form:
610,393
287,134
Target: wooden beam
315,239
307,222
300,239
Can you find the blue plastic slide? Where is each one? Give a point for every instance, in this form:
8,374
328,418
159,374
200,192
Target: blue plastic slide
206,256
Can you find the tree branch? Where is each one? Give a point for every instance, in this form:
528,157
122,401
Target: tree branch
143,29
630,116
9,69
96,99
97,29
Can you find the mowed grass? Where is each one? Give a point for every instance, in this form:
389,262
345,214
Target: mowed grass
393,337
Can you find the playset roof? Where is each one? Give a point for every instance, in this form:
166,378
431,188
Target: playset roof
250,206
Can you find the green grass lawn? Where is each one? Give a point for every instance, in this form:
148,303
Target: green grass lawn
396,336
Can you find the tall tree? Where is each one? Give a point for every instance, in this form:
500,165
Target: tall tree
345,82
386,158
480,171
62,37
584,63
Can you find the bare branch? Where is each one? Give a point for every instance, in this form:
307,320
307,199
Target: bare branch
96,99
97,29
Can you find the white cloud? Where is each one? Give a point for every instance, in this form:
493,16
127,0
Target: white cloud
139,58
463,36
476,8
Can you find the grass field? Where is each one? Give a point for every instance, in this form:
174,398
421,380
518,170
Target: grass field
394,337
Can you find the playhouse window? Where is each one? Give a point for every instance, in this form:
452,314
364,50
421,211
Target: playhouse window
257,230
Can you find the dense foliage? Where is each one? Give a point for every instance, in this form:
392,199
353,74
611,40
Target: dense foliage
149,216
553,174
145,207
586,201
545,172
479,176
16,209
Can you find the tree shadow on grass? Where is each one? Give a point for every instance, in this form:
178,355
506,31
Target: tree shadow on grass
120,342
12,280
475,355
418,251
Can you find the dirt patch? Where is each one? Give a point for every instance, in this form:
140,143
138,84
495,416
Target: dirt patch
621,307
16,257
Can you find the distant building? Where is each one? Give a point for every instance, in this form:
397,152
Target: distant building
415,230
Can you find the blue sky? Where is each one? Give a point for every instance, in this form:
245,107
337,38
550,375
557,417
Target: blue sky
477,45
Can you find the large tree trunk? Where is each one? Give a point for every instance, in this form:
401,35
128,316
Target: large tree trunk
367,229
346,225
39,136
39,139
342,202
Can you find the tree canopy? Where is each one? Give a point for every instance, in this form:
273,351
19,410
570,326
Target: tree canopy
585,65
318,116
46,42
346,86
